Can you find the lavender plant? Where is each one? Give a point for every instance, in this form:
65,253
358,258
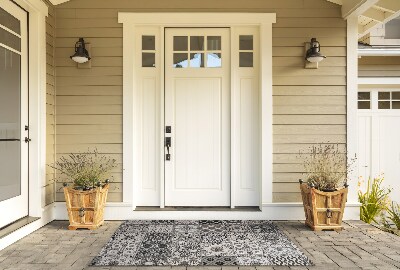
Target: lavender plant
85,169
326,167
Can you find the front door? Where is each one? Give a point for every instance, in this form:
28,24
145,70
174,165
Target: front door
13,113
197,117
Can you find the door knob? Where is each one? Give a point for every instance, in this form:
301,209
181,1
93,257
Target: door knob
27,139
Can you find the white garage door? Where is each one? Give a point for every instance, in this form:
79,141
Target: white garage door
379,136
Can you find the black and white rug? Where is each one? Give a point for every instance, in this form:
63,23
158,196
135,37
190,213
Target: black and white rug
204,242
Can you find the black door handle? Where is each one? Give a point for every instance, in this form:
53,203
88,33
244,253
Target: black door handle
10,140
168,145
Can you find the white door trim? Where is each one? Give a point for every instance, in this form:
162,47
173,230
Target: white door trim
37,12
131,146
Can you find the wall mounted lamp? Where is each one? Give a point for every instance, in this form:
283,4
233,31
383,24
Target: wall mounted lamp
81,54
313,54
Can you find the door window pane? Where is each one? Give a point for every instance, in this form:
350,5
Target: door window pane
245,59
197,60
214,60
180,60
396,95
383,105
148,59
180,43
10,40
196,43
384,95
364,105
396,105
364,95
246,42
214,43
10,21
148,43
10,123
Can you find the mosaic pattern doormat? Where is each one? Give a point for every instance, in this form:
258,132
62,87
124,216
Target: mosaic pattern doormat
208,242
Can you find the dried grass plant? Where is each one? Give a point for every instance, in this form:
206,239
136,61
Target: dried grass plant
85,169
326,167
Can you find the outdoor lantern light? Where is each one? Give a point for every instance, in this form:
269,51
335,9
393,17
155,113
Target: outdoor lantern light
81,54
313,54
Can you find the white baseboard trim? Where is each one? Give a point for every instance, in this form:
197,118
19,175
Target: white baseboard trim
270,211
47,216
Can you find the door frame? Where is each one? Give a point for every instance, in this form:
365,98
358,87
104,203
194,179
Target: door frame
131,117
37,13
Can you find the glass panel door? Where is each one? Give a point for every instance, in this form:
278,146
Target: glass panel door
10,123
13,113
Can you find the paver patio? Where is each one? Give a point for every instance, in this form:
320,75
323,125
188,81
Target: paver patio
358,246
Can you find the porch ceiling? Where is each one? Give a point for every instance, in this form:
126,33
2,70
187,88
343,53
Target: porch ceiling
371,13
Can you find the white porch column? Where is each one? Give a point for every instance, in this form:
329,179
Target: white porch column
352,87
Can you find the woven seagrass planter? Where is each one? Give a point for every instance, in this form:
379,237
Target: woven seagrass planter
86,208
323,210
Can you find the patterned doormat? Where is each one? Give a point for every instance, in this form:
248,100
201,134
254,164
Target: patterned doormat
204,242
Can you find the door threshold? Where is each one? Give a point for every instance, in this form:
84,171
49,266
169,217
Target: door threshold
205,208
9,229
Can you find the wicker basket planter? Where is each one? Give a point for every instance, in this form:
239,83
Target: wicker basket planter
323,210
86,208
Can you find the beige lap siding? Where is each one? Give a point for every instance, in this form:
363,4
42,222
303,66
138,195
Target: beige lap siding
49,187
379,66
309,104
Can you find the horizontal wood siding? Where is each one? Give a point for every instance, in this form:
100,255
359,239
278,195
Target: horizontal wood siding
379,66
309,104
49,187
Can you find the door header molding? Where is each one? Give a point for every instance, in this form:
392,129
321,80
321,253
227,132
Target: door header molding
205,19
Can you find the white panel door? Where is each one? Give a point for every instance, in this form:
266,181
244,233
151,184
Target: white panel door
13,113
378,137
389,153
197,108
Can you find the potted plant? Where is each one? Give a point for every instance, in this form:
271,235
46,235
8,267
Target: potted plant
324,192
87,196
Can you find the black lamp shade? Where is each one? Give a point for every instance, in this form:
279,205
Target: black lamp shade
313,54
81,54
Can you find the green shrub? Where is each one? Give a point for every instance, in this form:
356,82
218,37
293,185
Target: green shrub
393,214
374,200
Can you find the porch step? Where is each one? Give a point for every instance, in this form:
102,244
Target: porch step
207,208
6,230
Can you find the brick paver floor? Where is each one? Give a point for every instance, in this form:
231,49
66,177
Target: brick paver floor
358,246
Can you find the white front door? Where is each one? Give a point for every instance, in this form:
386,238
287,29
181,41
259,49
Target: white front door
197,110
13,113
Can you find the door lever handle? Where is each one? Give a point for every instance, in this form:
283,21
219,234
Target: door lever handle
168,145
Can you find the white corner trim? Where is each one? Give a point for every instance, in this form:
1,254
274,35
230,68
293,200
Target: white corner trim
270,211
352,89
47,216
378,80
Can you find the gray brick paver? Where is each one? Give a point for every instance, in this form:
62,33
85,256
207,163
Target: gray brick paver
358,246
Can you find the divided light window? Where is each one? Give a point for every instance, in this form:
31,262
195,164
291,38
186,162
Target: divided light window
197,52
148,51
364,100
246,51
389,100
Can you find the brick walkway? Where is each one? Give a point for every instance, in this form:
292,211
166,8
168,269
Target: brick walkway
359,246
